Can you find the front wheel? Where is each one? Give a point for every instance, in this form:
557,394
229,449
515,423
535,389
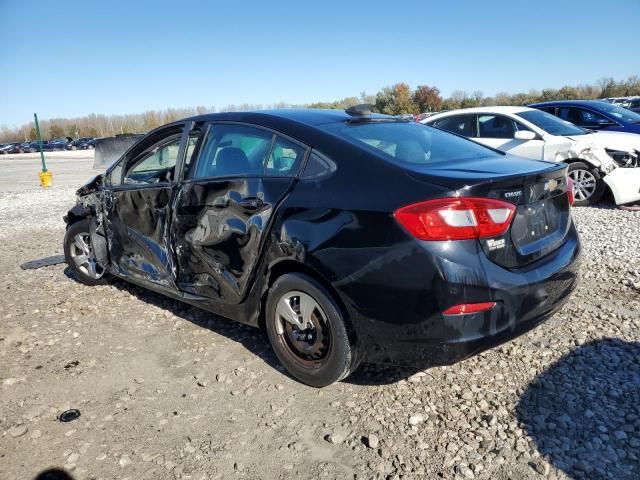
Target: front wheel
80,257
588,186
308,332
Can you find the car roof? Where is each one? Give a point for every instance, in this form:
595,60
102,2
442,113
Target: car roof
586,103
495,109
304,125
307,116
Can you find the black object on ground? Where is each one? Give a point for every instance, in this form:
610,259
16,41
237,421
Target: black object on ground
69,415
43,262
53,474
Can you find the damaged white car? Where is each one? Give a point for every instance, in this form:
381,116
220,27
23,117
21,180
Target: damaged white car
597,160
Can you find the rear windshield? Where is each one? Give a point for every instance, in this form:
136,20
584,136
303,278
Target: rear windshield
411,143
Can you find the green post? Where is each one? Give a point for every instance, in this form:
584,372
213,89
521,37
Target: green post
44,165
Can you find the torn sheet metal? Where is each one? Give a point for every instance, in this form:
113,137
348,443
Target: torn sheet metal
622,179
110,149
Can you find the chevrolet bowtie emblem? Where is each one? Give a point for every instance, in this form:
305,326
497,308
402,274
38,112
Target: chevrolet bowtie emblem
551,185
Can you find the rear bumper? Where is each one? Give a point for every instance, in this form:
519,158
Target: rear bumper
404,324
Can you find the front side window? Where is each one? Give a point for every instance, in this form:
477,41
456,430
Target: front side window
155,166
460,124
232,150
495,126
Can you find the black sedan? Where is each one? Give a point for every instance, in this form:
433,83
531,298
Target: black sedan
9,148
57,144
347,236
29,147
85,143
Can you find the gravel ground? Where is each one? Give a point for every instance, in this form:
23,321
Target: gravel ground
168,391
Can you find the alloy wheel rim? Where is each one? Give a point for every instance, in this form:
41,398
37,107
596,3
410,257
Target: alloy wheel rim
83,257
302,329
584,183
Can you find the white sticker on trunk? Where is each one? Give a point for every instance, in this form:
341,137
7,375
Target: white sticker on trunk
495,244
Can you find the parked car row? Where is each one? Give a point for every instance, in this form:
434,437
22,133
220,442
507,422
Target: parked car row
85,143
597,159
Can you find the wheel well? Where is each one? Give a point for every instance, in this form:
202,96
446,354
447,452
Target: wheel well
291,266
77,213
569,161
75,218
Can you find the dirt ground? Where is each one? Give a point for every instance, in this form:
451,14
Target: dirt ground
168,391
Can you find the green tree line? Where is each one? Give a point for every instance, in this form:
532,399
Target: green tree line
393,100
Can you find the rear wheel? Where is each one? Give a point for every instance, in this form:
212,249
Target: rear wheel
80,256
588,186
308,331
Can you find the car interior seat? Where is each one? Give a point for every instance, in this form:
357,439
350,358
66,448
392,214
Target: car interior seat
573,116
231,160
410,151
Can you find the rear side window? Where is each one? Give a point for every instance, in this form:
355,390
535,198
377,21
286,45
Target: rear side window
285,158
461,124
242,150
411,143
495,126
232,150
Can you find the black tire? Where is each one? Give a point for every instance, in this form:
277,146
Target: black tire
340,358
79,228
580,168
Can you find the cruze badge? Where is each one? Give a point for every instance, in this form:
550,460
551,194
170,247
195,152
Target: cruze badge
517,193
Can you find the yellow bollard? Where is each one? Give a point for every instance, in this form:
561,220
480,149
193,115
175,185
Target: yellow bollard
46,179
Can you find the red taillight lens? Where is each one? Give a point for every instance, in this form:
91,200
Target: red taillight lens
465,308
570,194
456,218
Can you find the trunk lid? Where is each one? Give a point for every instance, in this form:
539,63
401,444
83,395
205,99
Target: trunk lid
537,188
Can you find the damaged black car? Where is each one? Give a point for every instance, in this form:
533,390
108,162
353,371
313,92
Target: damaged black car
347,236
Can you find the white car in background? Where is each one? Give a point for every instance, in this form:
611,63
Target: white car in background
596,159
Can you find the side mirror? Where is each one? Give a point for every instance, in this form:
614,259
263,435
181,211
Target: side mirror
525,135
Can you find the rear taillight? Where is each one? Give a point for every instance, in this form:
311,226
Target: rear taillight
466,308
570,194
456,218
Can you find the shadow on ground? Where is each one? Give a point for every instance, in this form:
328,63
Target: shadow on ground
252,338
584,411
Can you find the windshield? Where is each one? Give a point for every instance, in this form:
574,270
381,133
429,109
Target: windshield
550,123
411,143
619,113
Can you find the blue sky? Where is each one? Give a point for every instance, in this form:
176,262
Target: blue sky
70,58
